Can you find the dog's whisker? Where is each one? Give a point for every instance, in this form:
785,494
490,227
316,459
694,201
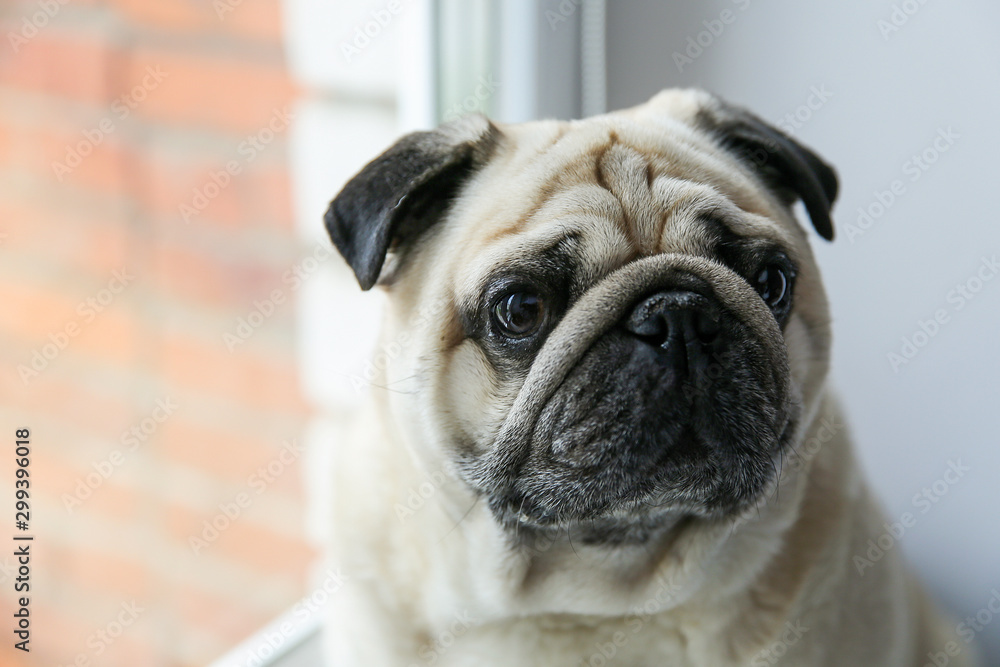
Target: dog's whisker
463,517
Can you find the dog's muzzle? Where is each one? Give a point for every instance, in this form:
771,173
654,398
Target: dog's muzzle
664,386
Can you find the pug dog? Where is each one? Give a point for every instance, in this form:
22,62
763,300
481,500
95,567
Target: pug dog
600,433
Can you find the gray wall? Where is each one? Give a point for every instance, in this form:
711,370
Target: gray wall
889,97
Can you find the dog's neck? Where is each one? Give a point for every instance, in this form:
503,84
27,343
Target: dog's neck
497,574
605,568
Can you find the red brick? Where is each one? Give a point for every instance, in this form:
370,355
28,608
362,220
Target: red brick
266,551
252,19
15,661
131,650
227,619
246,542
233,94
228,454
65,237
119,207
87,411
107,166
32,311
111,501
207,367
172,184
66,156
62,635
221,92
114,336
201,277
257,197
63,63
268,192
37,315
98,574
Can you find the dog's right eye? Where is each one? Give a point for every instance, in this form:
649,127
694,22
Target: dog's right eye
774,284
518,314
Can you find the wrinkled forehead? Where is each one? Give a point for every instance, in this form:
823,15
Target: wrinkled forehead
616,190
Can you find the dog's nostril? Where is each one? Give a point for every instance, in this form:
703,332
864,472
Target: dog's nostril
653,328
706,326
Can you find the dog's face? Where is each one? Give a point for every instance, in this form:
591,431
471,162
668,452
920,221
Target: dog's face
610,323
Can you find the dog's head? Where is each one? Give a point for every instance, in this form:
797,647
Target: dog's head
609,321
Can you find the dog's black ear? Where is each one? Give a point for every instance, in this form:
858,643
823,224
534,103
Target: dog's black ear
399,194
790,169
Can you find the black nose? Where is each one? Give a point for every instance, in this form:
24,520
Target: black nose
682,325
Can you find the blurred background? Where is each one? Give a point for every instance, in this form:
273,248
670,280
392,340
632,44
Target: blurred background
180,340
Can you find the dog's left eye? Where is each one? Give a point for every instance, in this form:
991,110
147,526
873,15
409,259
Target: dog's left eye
519,314
774,284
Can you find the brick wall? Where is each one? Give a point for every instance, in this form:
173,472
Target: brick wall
115,305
